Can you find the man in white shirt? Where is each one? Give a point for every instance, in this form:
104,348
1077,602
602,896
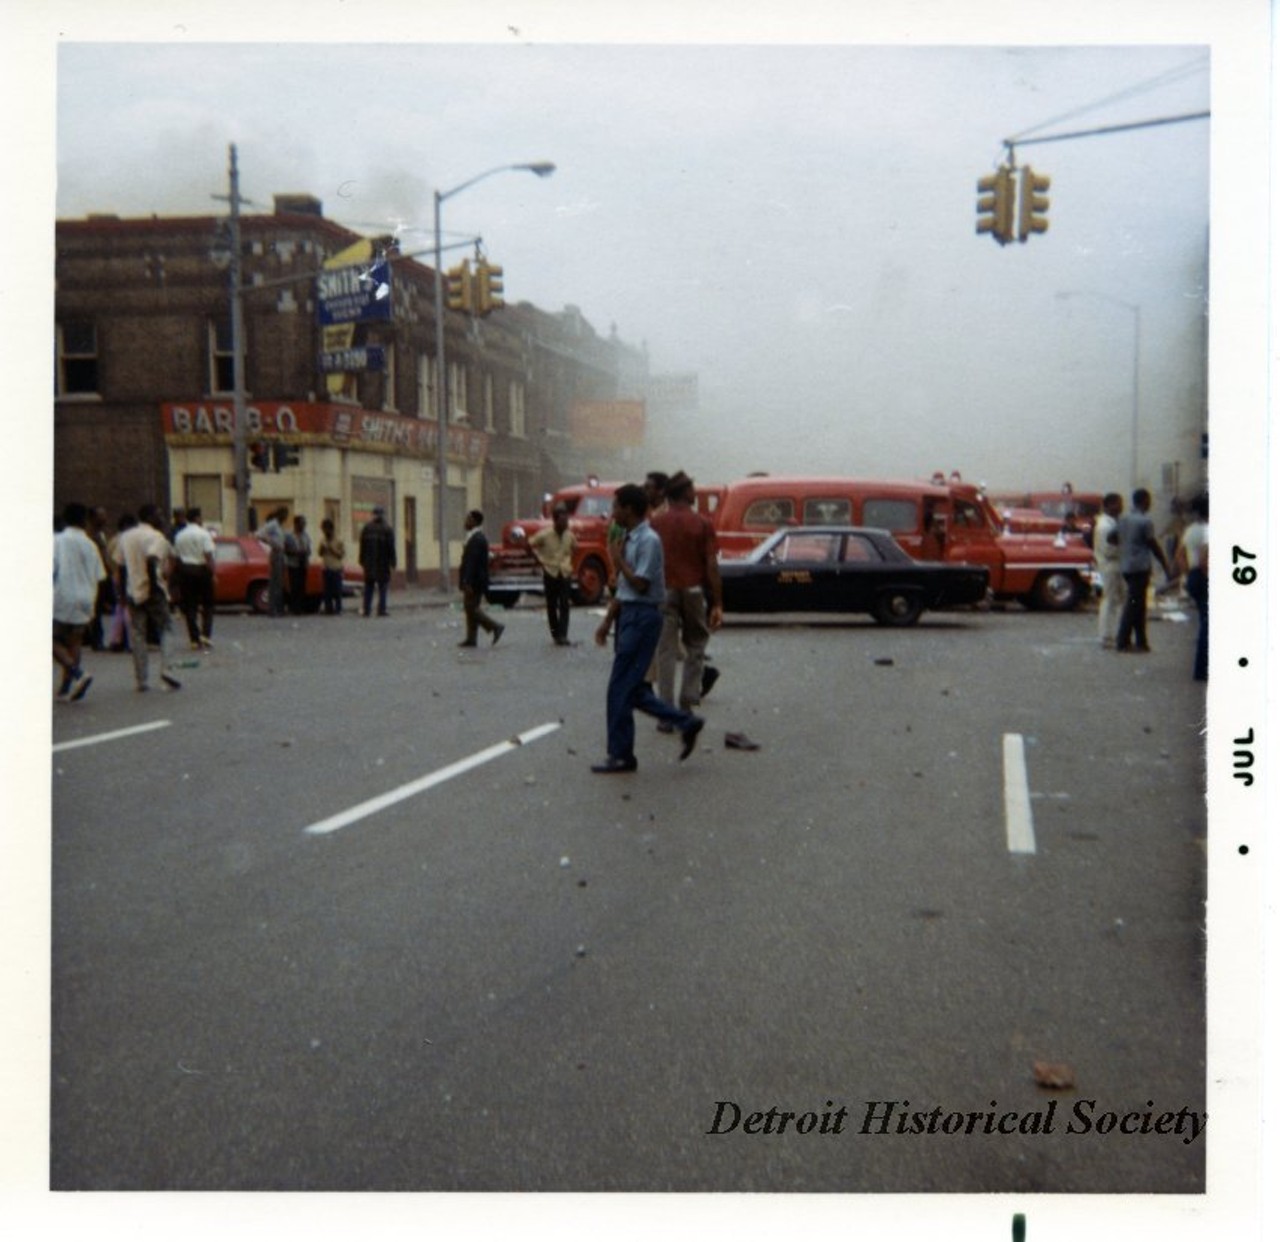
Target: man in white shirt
193,546
553,548
144,553
1106,554
77,572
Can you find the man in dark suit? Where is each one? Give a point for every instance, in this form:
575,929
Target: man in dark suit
377,559
473,578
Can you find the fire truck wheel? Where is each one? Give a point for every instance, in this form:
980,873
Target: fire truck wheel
504,599
592,580
1056,591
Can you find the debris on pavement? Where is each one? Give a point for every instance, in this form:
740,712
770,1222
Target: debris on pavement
1057,1076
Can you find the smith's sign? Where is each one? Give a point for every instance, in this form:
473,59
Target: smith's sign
360,293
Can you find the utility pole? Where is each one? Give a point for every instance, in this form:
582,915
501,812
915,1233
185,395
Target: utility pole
239,435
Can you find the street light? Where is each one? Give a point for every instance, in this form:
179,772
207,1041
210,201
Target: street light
542,168
1136,310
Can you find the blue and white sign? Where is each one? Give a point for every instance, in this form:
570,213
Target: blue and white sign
357,358
360,293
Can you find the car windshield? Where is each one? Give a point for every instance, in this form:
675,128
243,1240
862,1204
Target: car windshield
594,506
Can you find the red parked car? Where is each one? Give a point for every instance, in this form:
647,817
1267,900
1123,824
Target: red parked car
241,575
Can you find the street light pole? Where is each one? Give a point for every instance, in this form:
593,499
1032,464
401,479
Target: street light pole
541,169
1135,309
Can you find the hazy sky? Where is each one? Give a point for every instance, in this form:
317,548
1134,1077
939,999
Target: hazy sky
793,223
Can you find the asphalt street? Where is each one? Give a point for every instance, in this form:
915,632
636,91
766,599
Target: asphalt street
487,969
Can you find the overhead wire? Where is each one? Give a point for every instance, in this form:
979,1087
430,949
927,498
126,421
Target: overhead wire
1167,78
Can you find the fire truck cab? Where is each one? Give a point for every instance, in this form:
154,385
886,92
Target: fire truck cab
513,568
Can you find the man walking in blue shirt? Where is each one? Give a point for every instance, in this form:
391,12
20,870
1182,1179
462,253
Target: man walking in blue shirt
637,608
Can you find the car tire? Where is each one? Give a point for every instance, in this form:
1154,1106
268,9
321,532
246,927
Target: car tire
259,597
897,606
1056,590
593,578
504,599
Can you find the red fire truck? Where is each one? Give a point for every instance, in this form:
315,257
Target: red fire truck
513,568
932,521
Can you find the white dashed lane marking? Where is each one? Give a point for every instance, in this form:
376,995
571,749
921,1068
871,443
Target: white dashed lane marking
1017,798
423,783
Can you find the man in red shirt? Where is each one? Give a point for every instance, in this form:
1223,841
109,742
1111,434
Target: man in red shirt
692,608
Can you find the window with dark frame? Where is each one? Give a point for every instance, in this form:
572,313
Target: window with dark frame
77,358
222,362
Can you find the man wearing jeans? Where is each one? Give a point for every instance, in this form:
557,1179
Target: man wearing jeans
637,608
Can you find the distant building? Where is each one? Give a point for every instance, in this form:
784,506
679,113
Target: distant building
143,403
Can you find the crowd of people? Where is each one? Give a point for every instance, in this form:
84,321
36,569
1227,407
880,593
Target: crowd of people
119,592
1126,550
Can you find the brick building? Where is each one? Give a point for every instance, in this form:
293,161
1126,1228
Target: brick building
144,384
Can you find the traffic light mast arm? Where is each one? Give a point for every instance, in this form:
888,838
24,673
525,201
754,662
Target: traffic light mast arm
1011,143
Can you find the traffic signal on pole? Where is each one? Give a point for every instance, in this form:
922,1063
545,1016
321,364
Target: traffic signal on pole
283,455
995,205
1032,204
461,293
488,287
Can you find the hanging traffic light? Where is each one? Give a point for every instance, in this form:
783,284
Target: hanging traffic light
488,287
460,290
1032,204
995,205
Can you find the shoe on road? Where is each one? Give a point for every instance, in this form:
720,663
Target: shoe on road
612,765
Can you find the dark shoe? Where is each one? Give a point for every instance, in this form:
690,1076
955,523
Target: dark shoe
172,682
665,726
710,675
81,687
612,765
1142,649
740,741
689,737
498,631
